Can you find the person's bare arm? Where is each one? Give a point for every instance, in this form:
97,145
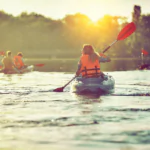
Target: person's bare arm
104,59
79,67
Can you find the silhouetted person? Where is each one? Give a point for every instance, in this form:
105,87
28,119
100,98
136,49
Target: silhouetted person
8,65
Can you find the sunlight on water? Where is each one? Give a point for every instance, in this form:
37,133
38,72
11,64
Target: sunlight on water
35,117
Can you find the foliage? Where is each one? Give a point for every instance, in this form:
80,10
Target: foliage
38,36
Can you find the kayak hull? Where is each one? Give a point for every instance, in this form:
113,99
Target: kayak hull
144,67
25,70
98,85
28,69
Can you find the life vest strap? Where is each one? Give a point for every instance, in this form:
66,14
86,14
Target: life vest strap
89,74
86,70
92,75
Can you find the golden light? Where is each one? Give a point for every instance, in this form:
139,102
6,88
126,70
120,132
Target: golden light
95,16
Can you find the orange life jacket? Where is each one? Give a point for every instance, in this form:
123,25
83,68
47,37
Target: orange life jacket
89,68
18,62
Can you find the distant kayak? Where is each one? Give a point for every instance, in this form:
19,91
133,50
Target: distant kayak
28,69
25,70
144,67
99,85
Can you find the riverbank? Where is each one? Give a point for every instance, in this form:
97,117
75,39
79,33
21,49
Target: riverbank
70,65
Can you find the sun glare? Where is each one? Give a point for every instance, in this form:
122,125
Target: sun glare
95,15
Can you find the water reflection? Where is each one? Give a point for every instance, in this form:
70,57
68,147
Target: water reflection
88,103
87,98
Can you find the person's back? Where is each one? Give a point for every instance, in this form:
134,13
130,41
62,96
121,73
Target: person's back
89,64
8,65
19,61
88,67
7,62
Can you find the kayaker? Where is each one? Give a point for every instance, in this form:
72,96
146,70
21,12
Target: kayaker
89,64
19,61
8,65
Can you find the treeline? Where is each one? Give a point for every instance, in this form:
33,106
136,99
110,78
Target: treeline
37,36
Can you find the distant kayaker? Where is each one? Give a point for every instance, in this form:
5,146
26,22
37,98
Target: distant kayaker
8,65
89,64
19,61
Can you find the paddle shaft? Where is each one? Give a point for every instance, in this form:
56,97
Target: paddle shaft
109,46
69,81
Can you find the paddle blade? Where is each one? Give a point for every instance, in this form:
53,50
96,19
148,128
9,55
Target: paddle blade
59,89
144,52
39,65
126,31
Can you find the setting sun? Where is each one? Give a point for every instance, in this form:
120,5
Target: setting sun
58,9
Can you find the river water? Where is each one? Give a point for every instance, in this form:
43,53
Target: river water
33,117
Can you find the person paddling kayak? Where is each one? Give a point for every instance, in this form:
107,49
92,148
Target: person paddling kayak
8,65
19,61
89,64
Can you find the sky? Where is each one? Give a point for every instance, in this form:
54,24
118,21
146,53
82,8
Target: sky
58,9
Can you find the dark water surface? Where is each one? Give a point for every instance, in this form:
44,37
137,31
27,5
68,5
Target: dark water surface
33,117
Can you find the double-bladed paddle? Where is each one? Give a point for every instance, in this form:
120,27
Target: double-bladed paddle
62,88
123,34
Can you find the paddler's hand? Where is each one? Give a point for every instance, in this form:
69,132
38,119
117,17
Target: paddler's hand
78,73
104,56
